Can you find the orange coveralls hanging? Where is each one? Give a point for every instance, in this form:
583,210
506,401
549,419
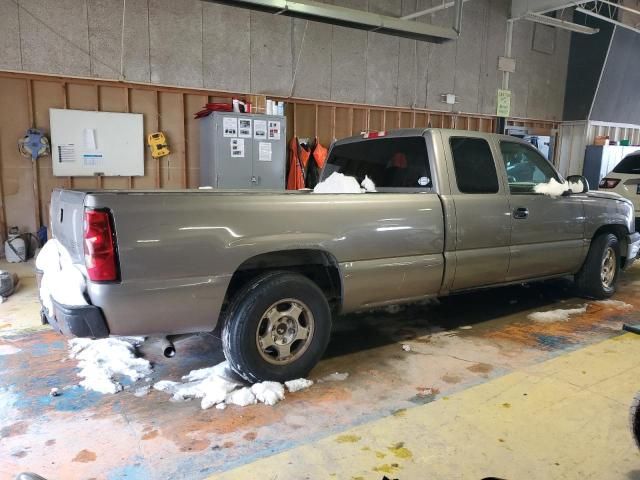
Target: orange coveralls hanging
302,172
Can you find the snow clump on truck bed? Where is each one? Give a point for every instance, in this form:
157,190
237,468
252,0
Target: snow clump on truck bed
340,183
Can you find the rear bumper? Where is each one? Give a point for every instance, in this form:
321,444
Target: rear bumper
633,247
78,321
75,320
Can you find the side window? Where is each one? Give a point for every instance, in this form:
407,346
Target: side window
394,164
526,168
474,165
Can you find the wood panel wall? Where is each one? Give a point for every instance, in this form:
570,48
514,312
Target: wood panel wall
25,100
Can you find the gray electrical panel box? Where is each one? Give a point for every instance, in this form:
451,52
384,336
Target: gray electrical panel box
240,150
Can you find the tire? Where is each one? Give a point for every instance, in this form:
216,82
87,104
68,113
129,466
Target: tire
603,253
267,319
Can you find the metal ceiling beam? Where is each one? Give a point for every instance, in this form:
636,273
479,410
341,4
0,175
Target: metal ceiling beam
349,17
431,10
556,22
621,7
520,7
606,19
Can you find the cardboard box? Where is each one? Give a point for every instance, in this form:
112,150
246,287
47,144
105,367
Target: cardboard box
258,103
601,140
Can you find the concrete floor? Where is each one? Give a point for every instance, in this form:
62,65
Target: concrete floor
482,391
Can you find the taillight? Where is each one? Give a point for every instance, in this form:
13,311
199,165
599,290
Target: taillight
99,247
609,182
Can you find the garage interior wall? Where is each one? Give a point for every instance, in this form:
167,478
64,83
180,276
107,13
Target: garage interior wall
198,44
25,187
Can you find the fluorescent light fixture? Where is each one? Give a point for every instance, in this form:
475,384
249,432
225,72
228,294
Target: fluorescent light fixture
556,22
352,18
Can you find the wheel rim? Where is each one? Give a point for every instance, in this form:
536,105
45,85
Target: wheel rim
608,271
285,331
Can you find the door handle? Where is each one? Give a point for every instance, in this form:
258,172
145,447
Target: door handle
521,212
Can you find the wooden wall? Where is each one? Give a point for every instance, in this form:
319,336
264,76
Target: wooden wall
25,100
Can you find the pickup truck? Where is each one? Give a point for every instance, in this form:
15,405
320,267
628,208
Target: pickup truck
453,211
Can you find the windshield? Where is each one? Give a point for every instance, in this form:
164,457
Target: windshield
629,164
392,163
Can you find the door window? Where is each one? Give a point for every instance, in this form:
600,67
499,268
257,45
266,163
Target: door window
525,167
474,165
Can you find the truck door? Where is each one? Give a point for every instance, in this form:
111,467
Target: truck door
482,222
546,232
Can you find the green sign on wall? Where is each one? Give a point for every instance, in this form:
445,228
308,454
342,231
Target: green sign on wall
503,103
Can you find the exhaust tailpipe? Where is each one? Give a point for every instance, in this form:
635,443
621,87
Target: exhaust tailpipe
167,347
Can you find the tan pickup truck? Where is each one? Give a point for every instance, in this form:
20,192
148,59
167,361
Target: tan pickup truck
453,211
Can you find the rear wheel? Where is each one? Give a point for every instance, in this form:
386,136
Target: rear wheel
277,328
598,276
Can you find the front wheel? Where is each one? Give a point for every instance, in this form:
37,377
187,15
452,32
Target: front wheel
277,328
598,276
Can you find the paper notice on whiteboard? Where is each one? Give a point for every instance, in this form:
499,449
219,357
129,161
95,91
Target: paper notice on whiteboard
230,126
244,127
260,129
274,130
237,147
264,152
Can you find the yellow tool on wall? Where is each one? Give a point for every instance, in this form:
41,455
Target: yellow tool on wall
158,145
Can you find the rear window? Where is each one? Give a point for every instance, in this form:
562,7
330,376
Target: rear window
629,164
474,165
392,163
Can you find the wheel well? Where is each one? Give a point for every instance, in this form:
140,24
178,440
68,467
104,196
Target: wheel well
620,231
318,266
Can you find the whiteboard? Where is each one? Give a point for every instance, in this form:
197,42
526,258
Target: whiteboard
85,143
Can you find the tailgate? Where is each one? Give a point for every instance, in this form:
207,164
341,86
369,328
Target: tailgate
67,221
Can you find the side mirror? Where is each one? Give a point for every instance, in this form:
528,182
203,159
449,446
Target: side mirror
578,184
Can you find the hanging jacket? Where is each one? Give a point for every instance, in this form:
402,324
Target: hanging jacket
298,159
314,167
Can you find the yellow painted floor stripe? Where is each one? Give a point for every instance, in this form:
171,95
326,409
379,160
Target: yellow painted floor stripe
566,418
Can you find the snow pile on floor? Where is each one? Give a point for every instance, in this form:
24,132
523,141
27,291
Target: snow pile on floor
298,384
559,315
102,361
218,386
61,279
269,393
203,384
615,304
334,377
142,391
555,189
241,397
8,350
